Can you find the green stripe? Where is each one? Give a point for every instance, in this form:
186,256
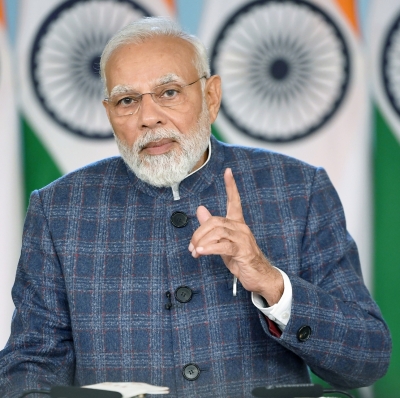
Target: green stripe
387,243
216,133
39,167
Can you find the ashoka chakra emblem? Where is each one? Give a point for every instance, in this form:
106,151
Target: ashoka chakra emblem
285,69
65,61
391,65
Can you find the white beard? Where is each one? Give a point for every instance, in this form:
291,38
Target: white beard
170,168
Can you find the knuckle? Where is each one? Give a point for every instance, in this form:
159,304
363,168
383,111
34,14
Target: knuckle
231,248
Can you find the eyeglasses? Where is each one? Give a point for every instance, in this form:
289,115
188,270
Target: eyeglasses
168,95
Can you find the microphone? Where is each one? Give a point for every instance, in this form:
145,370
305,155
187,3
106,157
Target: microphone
73,392
295,391
101,390
77,392
289,391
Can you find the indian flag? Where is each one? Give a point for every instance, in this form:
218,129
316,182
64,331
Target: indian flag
294,80
384,51
59,47
11,195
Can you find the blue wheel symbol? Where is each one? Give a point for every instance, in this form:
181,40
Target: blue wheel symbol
391,65
285,69
65,61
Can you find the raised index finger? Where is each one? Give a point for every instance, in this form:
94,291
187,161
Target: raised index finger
233,204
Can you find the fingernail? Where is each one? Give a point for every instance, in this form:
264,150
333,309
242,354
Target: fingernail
194,253
200,249
191,247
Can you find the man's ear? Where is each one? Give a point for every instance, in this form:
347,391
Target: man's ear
107,108
213,94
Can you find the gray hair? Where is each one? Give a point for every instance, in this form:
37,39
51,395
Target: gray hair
148,28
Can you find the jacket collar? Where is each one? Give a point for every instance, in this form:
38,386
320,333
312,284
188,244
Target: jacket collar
193,184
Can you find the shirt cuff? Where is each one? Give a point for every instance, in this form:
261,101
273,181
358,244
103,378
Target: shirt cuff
279,312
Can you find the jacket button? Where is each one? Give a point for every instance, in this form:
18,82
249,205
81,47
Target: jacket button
179,219
304,333
183,294
191,372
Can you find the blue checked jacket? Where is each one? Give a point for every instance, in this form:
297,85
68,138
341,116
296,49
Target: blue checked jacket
99,254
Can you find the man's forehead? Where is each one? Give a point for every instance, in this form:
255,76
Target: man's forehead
156,61
161,47
164,79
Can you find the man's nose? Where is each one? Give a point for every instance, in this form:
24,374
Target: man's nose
150,114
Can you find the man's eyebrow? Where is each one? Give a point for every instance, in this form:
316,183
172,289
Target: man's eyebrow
169,78
122,89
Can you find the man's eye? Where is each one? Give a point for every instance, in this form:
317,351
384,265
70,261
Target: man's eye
126,101
170,93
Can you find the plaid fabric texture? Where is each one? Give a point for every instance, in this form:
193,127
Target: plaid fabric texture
99,254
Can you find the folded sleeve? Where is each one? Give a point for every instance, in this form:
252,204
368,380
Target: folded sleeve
39,352
279,313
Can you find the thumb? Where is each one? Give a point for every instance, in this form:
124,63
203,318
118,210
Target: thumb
202,214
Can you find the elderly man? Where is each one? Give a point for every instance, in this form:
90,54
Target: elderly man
204,267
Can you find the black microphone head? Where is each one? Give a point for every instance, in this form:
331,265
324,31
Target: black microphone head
289,391
77,392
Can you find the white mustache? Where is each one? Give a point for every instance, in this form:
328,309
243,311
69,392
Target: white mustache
157,135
